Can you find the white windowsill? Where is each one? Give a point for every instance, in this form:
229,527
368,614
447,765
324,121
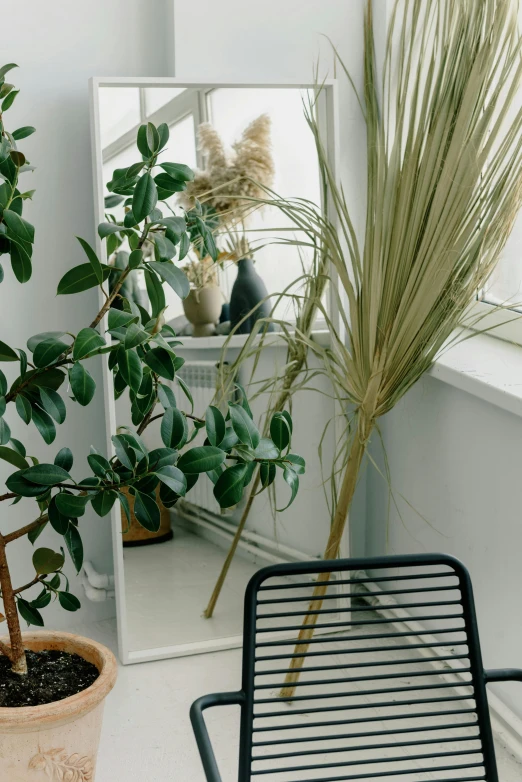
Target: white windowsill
483,366
238,340
486,367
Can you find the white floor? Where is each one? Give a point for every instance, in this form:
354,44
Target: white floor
167,587
147,735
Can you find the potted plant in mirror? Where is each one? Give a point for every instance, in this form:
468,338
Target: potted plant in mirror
229,185
53,685
204,302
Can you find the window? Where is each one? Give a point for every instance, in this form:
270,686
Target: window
230,110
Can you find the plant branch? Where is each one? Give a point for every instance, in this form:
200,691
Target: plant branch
36,580
19,533
17,657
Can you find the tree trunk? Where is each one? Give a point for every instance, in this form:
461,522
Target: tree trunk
230,556
331,552
17,651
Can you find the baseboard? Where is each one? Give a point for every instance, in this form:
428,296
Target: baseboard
221,532
506,725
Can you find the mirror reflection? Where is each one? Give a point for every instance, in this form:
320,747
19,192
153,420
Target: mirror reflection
243,145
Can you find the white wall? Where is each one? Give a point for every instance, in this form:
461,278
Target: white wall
58,46
457,460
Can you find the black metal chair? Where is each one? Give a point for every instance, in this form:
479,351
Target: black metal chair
397,693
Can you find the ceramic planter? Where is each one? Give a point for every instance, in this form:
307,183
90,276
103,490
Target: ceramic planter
203,308
57,742
134,534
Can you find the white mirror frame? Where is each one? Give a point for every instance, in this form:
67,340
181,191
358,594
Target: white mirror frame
331,135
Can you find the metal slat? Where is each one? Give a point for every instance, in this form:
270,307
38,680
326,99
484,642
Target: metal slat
363,650
366,580
366,609
365,720
394,773
332,639
378,677
372,734
382,704
378,663
387,691
370,761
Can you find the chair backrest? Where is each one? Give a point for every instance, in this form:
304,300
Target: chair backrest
392,684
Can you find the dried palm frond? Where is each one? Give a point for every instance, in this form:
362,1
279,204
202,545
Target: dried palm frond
444,185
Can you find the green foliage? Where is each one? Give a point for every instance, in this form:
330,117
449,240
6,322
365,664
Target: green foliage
141,354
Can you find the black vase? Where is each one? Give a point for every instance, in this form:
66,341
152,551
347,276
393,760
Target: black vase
248,291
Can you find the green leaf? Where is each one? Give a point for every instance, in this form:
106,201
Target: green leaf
135,336
17,484
64,459
94,261
44,424
33,341
215,425
163,133
80,278
130,368
266,449
174,428
87,341
292,480
243,426
43,599
7,353
71,505
147,512
21,133
13,457
74,545
20,262
145,197
160,361
104,501
6,68
31,615
173,478
184,246
155,293
3,384
53,404
267,473
178,171
135,258
106,229
59,522
69,601
9,100
118,318
99,465
48,351
46,561
177,279
23,408
124,502
280,430
153,139
167,186
124,452
19,227
5,432
229,486
82,384
166,396
46,474
298,463
201,459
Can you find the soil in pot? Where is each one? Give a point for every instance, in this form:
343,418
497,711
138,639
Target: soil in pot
52,676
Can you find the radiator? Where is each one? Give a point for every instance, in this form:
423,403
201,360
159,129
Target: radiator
201,378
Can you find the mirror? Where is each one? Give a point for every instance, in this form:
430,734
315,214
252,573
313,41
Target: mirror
164,579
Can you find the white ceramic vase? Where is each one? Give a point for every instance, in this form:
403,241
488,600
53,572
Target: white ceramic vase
57,742
203,308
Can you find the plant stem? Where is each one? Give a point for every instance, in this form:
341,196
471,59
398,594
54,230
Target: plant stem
19,533
331,552
209,610
17,652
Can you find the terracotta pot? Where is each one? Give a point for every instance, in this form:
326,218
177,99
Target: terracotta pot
203,308
134,534
57,742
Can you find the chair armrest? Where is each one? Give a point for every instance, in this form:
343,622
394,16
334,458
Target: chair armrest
503,675
200,729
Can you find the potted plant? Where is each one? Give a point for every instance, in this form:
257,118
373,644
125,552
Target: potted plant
228,187
204,302
53,685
